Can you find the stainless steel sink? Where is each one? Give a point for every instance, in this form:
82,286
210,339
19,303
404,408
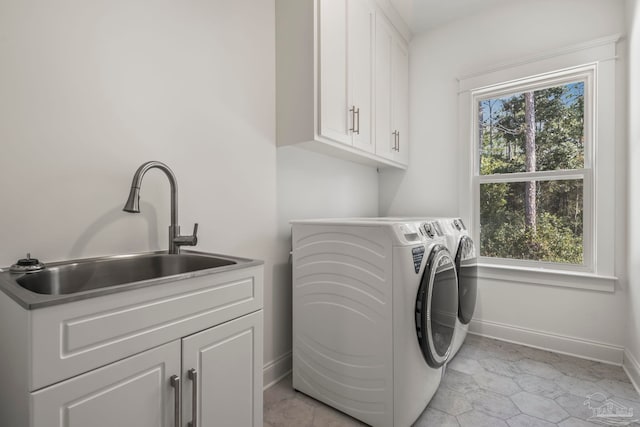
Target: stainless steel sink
86,278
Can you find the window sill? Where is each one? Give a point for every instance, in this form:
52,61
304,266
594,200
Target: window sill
545,277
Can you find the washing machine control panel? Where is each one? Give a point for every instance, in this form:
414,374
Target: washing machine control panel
429,230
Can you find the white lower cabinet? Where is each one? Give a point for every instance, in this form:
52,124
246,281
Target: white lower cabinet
211,378
109,360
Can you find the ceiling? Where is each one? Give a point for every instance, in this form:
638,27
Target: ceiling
422,15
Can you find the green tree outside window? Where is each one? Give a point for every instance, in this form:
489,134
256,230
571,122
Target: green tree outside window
538,130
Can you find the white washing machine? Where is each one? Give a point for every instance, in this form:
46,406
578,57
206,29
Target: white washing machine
375,305
462,248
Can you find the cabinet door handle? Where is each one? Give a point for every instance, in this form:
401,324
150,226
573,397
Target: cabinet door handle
398,139
352,110
355,120
175,383
193,376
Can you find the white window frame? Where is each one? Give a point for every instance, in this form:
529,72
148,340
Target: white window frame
586,75
593,63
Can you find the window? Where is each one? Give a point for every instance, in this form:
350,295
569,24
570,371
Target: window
533,168
538,137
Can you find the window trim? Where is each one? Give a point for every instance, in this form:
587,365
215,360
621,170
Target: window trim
601,55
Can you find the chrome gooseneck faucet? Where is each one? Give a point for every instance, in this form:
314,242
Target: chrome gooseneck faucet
133,206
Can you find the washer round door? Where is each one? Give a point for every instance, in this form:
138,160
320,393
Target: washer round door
466,267
437,307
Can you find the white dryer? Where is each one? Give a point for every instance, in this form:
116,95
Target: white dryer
463,249
374,312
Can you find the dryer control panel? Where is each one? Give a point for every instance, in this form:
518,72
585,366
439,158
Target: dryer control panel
458,224
418,232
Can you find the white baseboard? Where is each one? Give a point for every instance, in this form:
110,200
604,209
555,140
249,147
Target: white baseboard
632,368
275,370
577,347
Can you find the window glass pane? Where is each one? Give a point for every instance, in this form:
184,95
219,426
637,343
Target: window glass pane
533,220
528,131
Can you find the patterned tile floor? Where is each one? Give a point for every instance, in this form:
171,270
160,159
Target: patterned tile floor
489,383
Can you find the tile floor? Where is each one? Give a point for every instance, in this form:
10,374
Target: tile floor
489,383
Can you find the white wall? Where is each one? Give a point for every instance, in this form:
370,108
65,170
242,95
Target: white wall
632,357
428,187
311,185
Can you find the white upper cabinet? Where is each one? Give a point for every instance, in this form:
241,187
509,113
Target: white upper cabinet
326,69
392,94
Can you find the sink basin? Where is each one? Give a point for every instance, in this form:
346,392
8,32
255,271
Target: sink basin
67,281
84,276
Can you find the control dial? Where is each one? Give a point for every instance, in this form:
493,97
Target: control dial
428,229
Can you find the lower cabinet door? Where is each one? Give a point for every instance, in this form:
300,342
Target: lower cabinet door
135,391
222,367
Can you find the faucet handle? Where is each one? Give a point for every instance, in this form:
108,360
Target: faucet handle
187,240
194,236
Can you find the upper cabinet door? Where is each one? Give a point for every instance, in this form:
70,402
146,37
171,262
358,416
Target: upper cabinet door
391,94
346,71
400,100
360,34
227,385
334,120
385,140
